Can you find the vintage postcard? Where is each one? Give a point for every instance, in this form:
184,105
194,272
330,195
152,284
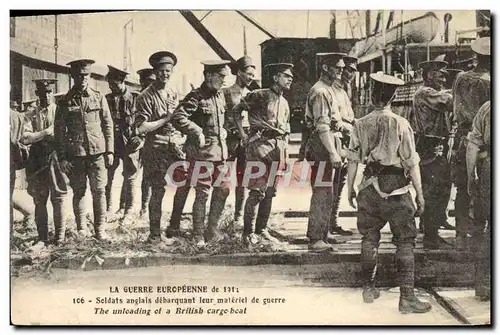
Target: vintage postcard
246,167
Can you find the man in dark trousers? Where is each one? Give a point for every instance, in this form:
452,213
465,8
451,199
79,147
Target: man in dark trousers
344,101
244,69
155,107
479,189
322,118
39,134
83,133
470,91
121,102
146,78
384,193
269,119
200,115
432,105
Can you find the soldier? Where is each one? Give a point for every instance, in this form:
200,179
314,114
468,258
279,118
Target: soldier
147,77
348,76
269,119
122,103
479,162
343,101
39,134
19,153
432,105
244,69
201,117
83,133
384,193
155,107
322,148
470,91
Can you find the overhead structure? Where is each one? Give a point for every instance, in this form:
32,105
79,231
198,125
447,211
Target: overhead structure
255,23
206,35
422,29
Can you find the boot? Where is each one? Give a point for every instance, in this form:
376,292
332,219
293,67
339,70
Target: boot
370,293
320,246
265,235
411,304
155,213
447,226
180,197
199,241
41,219
483,292
173,232
340,231
213,234
59,221
217,203
436,243
99,204
238,206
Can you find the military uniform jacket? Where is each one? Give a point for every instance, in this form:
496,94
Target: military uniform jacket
322,115
152,105
470,91
83,125
123,111
269,118
42,119
203,111
431,109
233,95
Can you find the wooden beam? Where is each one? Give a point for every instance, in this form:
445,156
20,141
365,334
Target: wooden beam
206,35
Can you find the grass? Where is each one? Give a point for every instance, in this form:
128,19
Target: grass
128,241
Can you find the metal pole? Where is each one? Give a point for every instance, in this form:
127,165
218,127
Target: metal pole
56,46
382,21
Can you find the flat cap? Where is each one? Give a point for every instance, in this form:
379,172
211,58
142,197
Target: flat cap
332,58
45,83
82,66
162,57
482,46
274,68
383,78
146,73
116,73
351,62
241,64
434,65
217,66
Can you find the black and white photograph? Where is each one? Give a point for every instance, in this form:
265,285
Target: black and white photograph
250,167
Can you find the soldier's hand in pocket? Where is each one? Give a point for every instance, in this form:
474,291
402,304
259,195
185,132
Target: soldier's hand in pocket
66,166
108,159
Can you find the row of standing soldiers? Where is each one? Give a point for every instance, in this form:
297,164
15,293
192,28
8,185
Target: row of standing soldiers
90,133
87,134
394,156
461,115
